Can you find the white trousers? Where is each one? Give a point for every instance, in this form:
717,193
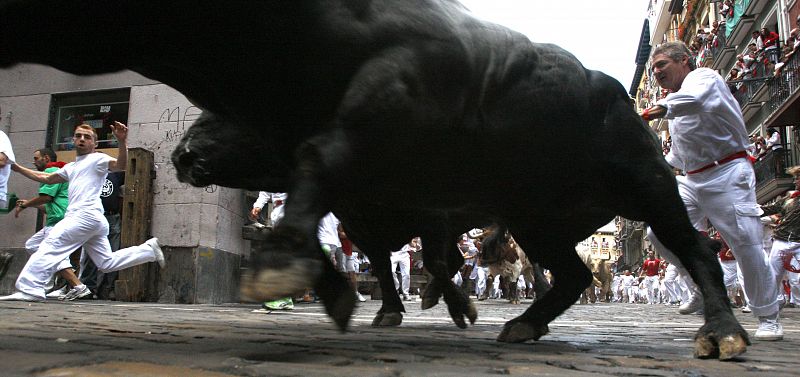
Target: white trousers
87,229
725,195
776,255
402,259
480,275
32,245
671,283
651,284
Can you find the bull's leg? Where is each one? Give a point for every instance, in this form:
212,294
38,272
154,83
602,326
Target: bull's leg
292,259
721,336
392,309
540,283
571,277
513,292
442,259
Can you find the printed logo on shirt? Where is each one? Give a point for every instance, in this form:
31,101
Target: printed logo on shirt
108,189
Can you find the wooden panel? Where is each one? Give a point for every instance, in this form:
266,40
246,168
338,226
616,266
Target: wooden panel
137,283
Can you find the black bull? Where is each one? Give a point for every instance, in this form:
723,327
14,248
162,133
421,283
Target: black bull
386,112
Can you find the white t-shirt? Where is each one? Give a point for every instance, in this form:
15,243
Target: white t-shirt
5,172
328,230
706,122
86,177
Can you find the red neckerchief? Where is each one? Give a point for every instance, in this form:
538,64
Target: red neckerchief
57,164
795,194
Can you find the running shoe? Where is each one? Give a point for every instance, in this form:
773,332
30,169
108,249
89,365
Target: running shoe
77,292
281,304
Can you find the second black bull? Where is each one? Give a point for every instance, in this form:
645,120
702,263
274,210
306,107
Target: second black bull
386,112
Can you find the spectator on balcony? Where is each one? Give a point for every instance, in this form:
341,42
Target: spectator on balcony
743,63
758,41
771,40
731,80
774,143
726,10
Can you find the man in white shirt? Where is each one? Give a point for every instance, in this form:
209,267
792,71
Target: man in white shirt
402,258
84,223
6,160
708,143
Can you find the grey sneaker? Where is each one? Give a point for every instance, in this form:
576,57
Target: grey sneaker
153,243
78,292
694,304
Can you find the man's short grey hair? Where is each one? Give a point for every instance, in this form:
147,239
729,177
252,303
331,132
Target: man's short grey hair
675,51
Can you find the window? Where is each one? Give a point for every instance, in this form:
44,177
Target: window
98,109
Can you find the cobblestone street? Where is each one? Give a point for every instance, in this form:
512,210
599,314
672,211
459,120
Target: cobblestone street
104,338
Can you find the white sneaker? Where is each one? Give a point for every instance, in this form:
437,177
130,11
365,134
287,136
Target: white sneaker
360,297
153,243
21,296
769,328
694,304
746,309
58,293
77,292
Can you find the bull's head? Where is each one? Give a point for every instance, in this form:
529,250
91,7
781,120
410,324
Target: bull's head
214,151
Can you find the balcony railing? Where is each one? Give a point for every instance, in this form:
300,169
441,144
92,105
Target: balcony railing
772,166
745,89
782,86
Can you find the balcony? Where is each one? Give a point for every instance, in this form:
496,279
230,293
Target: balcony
749,93
771,177
755,6
783,105
741,31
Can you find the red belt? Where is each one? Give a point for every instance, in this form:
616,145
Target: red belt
725,159
278,203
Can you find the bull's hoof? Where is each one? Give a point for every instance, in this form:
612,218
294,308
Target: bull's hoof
273,283
340,309
430,297
708,344
472,312
460,307
728,347
518,332
387,319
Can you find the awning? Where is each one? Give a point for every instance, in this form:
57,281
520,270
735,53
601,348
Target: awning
642,55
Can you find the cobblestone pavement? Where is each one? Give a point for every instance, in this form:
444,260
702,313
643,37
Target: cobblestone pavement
104,338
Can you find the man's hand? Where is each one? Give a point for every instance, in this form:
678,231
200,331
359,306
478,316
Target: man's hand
254,213
3,160
20,206
120,131
654,112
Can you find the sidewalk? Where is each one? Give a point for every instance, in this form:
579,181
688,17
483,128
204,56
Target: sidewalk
105,338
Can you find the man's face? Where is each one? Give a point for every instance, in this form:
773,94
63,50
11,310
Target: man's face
40,161
651,255
84,141
670,73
